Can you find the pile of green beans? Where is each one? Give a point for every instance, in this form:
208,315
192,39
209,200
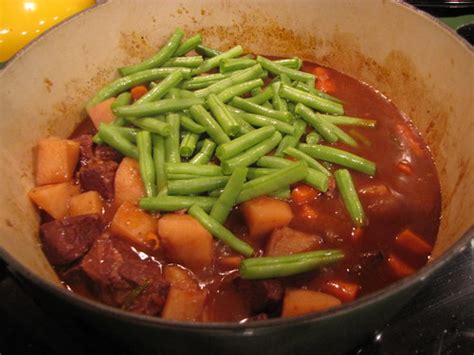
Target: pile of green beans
210,134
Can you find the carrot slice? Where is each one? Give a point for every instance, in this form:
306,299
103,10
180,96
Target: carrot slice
326,85
398,267
303,193
357,233
138,91
102,113
410,139
321,73
412,242
404,167
230,262
345,291
307,212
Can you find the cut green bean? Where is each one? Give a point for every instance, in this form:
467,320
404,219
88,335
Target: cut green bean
312,163
256,91
127,132
238,145
293,63
341,135
156,108
203,81
244,126
160,89
312,138
185,62
213,62
239,89
205,119
182,176
123,99
219,231
206,51
221,209
172,141
174,203
338,156
285,79
279,69
284,194
311,89
254,173
317,123
280,266
112,136
363,139
250,107
188,45
263,96
350,121
310,100
262,121
229,65
196,186
193,169
159,159
145,162
222,115
165,53
252,154
278,103
155,125
188,144
205,154
273,182
189,124
293,139
349,195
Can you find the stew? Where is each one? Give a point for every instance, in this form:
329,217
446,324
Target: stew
220,186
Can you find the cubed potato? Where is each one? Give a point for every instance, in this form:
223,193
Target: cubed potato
102,113
264,214
88,202
298,302
54,198
184,305
128,183
180,278
185,241
135,225
287,241
56,160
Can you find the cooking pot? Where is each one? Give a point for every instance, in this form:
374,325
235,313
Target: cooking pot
415,61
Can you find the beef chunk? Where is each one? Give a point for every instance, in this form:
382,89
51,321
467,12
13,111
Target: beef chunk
104,152
149,299
86,148
99,176
261,295
67,239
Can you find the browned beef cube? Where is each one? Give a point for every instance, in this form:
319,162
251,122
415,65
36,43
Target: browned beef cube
99,176
67,239
104,152
261,295
86,150
149,299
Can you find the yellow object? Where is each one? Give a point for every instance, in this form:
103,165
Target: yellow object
21,21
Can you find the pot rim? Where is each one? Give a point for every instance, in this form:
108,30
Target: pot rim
422,274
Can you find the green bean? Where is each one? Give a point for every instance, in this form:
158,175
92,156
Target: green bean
360,137
256,91
252,154
221,209
228,65
278,103
254,173
160,89
123,99
349,195
203,81
278,69
285,79
205,154
222,115
172,140
112,136
262,121
293,63
182,176
314,178
174,203
185,62
188,45
122,84
127,132
159,158
250,107
317,123
165,53
219,231
281,266
145,162
282,194
188,144
237,77
238,145
341,135
263,96
206,51
337,156
213,62
157,107
311,100
312,138
213,129
268,105
312,90
239,89
273,182
186,94
215,193
189,124
196,186
312,163
193,169
291,140
244,126
350,121
151,124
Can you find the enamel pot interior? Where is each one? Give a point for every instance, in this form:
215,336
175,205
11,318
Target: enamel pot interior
419,64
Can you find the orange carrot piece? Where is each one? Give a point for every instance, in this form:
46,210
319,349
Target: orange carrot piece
102,112
298,302
138,91
321,73
412,242
357,233
345,291
398,267
230,262
326,85
307,212
303,193
404,167
410,139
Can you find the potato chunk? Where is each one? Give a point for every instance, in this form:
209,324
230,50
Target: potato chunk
128,183
54,198
185,241
264,214
287,241
56,160
86,203
298,302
